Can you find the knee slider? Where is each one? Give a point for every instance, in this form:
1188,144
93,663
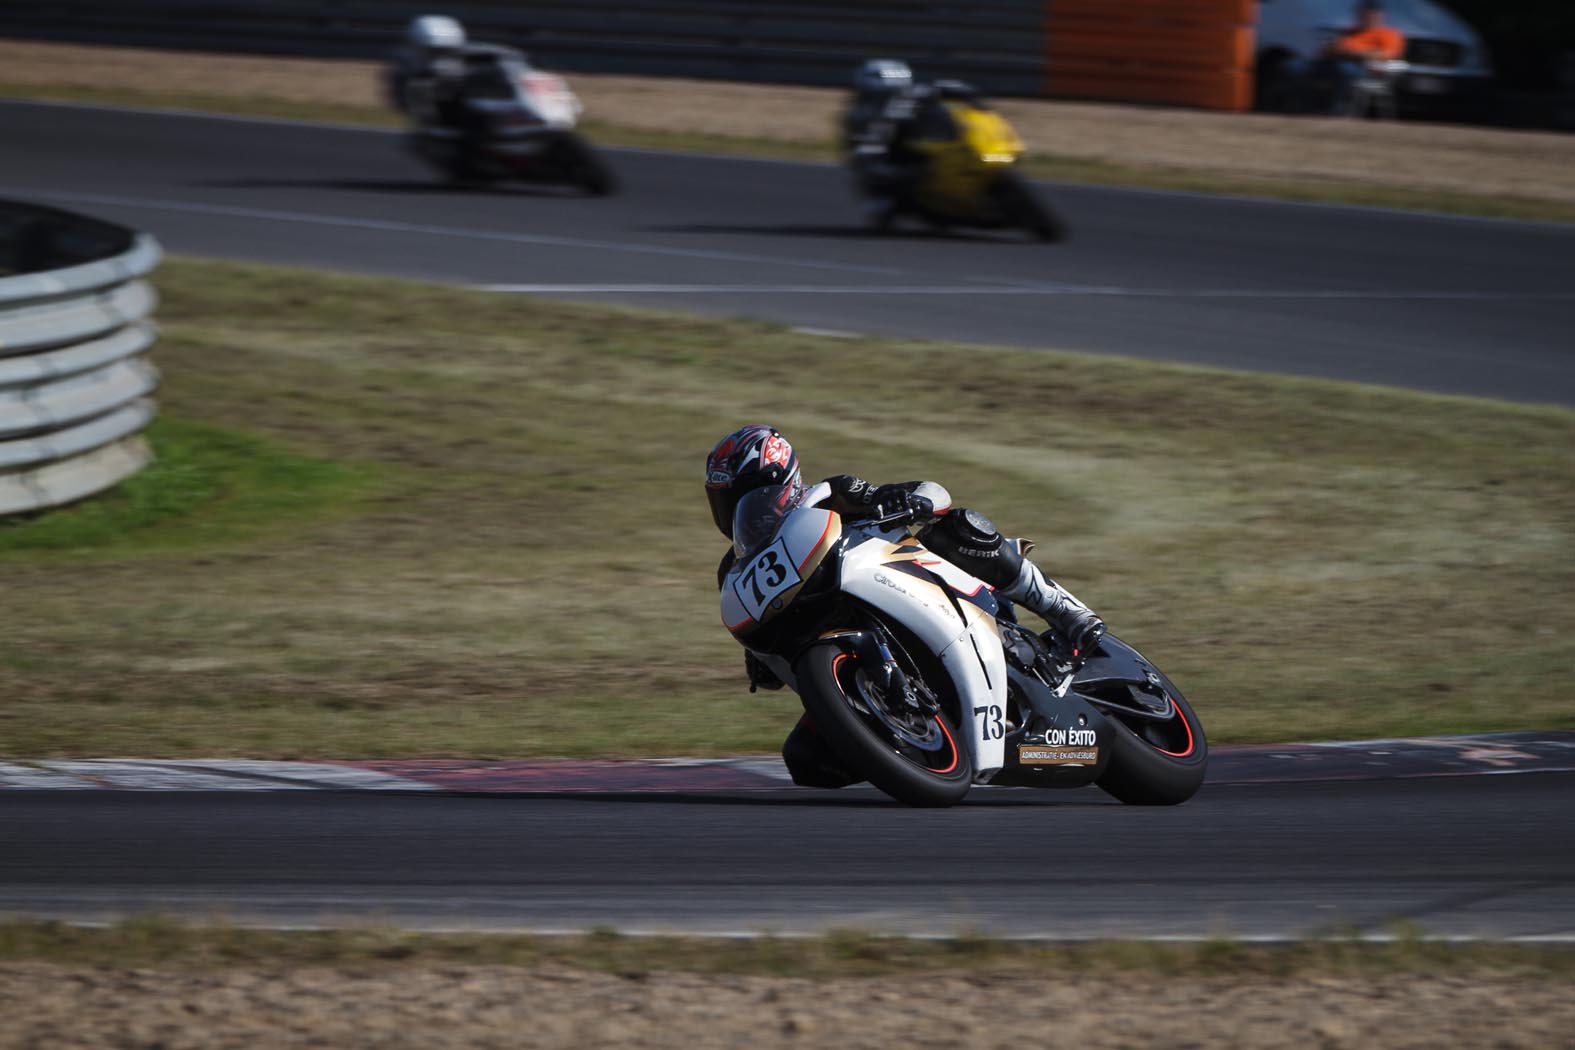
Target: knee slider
971,541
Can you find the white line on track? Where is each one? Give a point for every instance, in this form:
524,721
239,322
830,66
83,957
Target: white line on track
984,287
427,230
505,929
1014,290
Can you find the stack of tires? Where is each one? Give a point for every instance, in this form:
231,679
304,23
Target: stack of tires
75,386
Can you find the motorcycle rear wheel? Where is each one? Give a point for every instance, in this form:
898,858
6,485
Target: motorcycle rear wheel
1157,763
596,178
866,744
586,169
1025,210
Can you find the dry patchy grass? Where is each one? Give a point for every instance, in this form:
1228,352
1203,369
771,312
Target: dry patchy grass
530,568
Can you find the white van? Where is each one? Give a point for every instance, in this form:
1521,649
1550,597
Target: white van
1448,67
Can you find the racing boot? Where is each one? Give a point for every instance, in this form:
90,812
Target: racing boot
1053,603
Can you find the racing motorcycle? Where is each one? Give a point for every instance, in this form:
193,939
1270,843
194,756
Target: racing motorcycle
969,176
515,123
921,679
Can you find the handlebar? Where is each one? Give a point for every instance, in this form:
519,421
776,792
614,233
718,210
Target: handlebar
903,516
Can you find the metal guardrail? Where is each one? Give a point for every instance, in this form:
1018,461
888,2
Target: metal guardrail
74,384
998,44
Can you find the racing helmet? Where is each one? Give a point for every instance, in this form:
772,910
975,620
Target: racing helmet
435,32
883,75
747,459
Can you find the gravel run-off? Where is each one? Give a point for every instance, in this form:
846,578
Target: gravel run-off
46,1006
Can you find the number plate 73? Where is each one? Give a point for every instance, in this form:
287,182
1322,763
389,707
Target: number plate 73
767,575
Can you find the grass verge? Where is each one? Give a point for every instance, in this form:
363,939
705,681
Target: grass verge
159,942
208,484
499,545
1040,165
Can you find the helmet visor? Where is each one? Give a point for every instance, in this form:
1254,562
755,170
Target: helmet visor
760,514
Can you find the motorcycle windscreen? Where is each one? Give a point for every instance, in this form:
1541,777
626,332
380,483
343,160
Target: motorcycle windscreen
759,515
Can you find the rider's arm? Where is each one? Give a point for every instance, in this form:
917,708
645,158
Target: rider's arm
854,497
886,126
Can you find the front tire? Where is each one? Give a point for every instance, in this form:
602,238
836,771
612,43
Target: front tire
1157,763
936,771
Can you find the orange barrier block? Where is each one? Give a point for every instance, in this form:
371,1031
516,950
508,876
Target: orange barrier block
1237,12
1172,52
1192,48
1231,91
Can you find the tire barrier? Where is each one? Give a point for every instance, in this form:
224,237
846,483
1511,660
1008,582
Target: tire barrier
74,327
1178,52
1175,52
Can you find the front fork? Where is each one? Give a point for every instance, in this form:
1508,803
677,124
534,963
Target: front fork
884,673
978,673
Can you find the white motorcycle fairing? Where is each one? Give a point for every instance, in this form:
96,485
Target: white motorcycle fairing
894,574
878,571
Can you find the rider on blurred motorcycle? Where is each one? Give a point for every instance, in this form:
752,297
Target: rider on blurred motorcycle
757,455
426,76
875,84
888,111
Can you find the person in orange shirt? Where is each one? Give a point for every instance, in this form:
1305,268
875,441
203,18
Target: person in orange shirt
1371,39
1345,58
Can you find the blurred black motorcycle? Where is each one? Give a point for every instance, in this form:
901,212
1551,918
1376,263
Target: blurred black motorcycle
506,122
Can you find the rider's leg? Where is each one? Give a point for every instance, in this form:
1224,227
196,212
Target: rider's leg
1042,595
971,541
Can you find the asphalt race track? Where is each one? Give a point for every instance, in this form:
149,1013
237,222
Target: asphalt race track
1459,856
1454,305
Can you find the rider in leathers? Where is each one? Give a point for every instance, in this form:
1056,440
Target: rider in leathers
757,455
888,112
426,76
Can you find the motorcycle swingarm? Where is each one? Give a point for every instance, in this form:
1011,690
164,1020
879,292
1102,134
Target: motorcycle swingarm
1118,676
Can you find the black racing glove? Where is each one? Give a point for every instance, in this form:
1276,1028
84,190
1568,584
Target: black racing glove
850,496
856,498
899,499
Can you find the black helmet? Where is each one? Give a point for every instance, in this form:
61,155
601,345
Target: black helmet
882,76
747,459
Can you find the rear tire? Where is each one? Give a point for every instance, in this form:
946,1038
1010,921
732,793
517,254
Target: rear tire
586,169
1025,210
596,178
827,678
1157,763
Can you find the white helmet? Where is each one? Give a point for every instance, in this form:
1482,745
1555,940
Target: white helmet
882,74
435,31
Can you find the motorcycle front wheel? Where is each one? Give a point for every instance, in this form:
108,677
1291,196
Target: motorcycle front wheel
915,759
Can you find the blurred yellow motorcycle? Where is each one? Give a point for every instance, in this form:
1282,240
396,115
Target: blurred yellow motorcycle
967,157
